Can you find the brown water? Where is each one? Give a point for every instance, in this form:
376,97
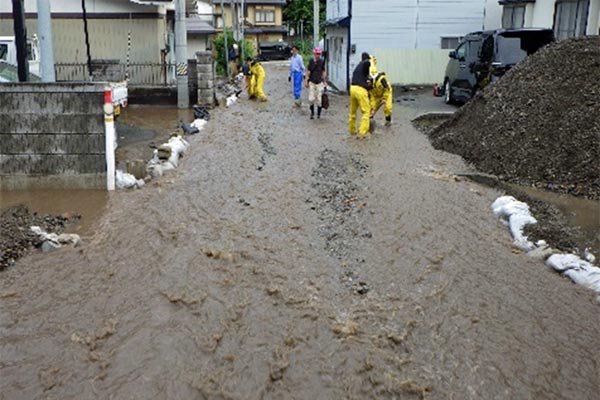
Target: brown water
89,204
146,125
285,260
580,212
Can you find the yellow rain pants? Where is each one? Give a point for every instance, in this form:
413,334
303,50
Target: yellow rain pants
258,79
379,95
359,98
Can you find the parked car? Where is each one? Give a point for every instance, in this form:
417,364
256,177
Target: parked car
483,57
274,51
10,73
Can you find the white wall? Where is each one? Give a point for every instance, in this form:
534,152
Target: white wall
337,8
411,24
593,27
543,14
399,65
338,47
196,43
493,15
92,6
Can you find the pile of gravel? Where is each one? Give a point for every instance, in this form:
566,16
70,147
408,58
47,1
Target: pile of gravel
16,237
539,125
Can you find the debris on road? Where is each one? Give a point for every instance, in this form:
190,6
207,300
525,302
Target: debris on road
16,237
539,124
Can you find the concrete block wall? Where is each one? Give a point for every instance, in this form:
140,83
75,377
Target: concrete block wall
206,78
52,136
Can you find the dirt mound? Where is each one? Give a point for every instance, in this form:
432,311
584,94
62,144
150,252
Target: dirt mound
15,236
539,125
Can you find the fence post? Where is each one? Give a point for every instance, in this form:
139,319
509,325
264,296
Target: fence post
109,127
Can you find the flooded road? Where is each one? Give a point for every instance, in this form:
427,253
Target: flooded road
286,260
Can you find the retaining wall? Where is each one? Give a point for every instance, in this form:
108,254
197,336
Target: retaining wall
52,136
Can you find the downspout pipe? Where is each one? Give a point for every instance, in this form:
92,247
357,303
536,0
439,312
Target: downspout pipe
349,46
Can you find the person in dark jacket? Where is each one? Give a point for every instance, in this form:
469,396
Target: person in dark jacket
359,97
316,81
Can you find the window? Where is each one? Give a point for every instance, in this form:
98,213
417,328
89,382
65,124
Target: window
265,16
450,42
570,18
513,16
461,52
3,51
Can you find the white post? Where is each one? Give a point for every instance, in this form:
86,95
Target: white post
316,23
183,96
109,148
44,27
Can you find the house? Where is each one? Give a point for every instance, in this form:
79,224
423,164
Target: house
118,29
199,25
409,39
568,18
260,20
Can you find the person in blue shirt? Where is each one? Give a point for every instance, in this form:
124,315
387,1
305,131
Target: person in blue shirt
296,75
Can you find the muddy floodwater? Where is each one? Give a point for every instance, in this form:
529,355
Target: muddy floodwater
284,259
89,204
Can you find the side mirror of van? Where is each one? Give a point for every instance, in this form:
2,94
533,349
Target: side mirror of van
452,54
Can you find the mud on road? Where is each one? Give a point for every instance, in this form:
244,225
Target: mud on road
230,279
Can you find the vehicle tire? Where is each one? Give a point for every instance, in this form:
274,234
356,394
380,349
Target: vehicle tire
448,99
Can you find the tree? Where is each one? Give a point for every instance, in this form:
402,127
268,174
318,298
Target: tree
302,10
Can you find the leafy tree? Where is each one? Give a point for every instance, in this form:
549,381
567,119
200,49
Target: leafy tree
302,10
219,46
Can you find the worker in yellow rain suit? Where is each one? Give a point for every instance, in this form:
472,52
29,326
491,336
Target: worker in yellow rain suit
257,81
359,97
249,79
381,94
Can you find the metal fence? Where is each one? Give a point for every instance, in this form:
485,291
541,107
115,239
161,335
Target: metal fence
138,74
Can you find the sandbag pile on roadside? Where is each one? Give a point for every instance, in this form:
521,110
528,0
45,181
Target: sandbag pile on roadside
166,156
539,124
517,215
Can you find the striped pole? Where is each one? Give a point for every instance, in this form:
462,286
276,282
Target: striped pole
128,49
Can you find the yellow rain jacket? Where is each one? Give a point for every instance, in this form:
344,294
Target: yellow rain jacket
382,93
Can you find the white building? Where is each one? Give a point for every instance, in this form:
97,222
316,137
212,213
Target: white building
568,18
409,38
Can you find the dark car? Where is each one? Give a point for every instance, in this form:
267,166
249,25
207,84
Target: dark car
483,57
274,51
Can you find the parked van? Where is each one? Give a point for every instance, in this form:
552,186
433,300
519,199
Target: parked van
483,57
8,53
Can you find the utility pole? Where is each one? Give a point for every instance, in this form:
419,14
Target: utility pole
316,23
20,39
44,27
225,39
242,39
183,96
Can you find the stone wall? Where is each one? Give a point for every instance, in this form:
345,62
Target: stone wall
52,136
206,79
